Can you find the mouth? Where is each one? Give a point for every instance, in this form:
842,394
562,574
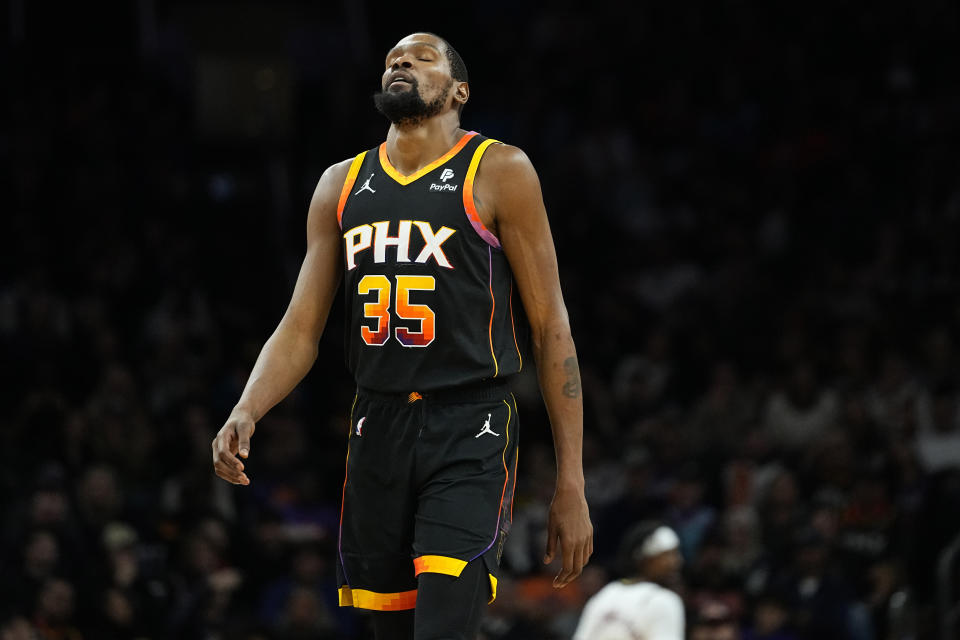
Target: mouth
399,80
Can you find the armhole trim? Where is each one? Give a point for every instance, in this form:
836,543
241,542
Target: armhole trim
348,185
468,203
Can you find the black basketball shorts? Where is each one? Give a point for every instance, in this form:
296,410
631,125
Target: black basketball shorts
429,487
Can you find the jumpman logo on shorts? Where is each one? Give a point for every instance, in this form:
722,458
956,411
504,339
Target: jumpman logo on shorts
366,185
486,428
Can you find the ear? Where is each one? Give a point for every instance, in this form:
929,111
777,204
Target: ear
461,93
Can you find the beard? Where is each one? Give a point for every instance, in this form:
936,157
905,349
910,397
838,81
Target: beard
407,108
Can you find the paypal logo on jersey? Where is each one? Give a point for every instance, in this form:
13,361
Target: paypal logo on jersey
445,175
359,239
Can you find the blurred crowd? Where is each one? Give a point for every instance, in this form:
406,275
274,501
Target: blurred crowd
757,217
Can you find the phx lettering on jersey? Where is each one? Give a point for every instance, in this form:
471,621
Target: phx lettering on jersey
358,239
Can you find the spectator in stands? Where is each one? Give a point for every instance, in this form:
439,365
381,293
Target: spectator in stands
770,620
714,621
938,432
802,411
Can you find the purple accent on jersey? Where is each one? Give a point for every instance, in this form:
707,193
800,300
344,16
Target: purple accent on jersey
482,231
496,531
490,264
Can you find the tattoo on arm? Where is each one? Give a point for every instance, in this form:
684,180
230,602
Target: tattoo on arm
571,388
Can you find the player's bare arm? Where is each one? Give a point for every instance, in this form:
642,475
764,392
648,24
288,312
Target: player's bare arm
509,200
292,349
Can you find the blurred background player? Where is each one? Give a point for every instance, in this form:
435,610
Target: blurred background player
644,604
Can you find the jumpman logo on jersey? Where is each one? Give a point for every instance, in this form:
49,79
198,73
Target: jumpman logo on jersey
366,185
486,428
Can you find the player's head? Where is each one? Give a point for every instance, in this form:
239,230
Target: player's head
424,76
652,550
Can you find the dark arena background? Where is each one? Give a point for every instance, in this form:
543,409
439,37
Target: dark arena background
756,208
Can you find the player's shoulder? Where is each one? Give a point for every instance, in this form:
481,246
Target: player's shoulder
505,157
611,591
665,600
337,172
326,194
506,170
644,590
649,599
331,181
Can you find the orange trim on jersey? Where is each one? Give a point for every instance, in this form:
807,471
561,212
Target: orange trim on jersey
438,564
514,327
493,307
405,180
348,185
363,599
468,203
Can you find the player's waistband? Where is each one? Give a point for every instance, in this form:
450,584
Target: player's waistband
482,391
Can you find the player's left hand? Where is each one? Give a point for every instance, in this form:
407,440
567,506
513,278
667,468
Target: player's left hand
569,526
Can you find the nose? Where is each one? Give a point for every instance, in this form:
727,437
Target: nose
403,60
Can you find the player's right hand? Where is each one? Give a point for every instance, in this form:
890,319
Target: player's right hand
233,439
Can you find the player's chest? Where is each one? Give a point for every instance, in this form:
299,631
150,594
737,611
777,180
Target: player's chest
420,223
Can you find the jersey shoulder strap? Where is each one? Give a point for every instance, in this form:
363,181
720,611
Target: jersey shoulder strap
468,202
348,185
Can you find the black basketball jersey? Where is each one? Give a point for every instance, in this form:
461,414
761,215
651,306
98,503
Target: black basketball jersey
429,293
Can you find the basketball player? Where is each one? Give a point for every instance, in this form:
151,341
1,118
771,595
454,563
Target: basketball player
641,607
438,234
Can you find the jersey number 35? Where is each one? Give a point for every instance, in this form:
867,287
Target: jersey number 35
379,310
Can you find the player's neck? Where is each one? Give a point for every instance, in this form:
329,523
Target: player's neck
412,148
